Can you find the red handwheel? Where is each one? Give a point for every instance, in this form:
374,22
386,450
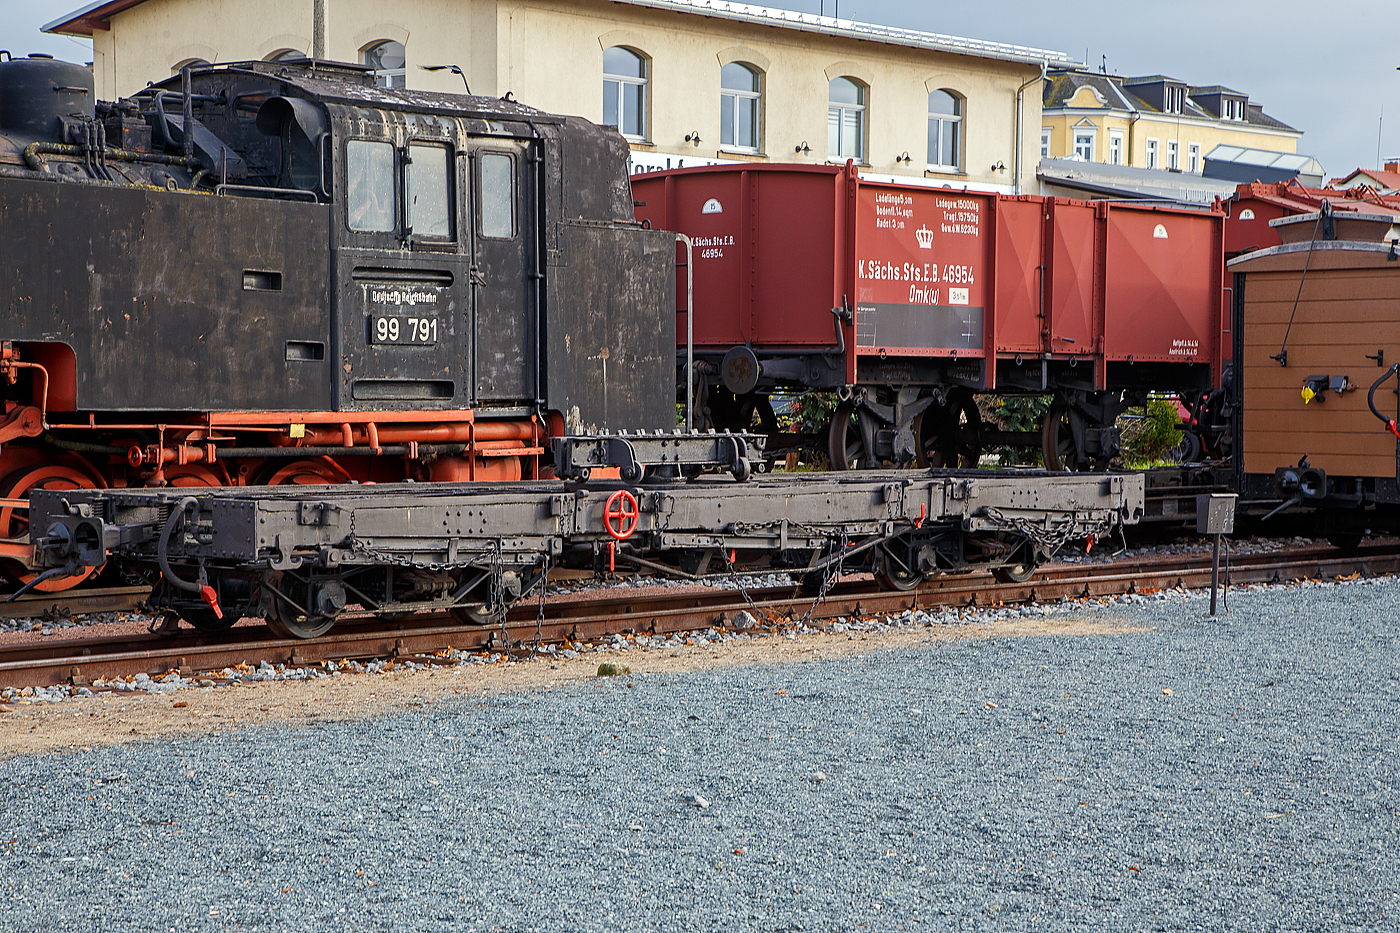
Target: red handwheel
620,514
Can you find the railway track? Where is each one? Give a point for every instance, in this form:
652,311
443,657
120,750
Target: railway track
586,617
75,602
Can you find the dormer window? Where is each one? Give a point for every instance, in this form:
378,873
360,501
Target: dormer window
1176,96
1233,109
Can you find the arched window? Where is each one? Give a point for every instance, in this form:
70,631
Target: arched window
944,130
625,91
192,62
388,59
285,55
845,120
739,103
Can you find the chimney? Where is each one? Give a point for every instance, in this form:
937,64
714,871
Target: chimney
1393,166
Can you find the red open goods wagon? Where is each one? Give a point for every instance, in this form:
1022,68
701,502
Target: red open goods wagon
908,299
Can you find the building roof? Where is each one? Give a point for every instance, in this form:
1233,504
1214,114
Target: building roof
97,16
1387,180
1150,79
1218,89
1061,86
1243,164
1132,183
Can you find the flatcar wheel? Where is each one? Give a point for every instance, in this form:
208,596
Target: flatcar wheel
1014,573
14,520
950,436
892,576
1057,441
284,618
290,624
1017,571
844,443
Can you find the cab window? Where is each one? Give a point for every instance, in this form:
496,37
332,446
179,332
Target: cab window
369,201
497,195
429,191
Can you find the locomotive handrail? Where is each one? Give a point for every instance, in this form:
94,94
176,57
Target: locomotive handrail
289,194
1389,422
689,330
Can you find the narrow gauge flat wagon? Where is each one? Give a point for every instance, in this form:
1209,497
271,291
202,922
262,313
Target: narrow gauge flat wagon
909,300
301,556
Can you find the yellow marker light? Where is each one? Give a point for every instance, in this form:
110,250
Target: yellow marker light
299,430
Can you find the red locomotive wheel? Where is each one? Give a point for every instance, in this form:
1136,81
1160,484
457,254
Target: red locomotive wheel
321,471
14,520
620,514
194,477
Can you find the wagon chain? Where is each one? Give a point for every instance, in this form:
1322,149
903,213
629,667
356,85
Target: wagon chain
829,579
387,557
1050,539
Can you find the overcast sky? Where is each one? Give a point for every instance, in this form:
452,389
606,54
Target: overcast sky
1324,68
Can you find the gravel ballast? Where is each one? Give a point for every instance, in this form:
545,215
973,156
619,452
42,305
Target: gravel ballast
1198,774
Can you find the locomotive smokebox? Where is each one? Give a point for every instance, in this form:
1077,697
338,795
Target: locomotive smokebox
37,92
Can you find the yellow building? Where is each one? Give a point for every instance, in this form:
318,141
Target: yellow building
690,81
1153,122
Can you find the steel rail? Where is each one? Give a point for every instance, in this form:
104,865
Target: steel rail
34,605
603,613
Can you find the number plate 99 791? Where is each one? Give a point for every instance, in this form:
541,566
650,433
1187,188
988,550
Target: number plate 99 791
412,331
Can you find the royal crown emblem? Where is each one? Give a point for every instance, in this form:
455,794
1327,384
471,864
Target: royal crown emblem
925,237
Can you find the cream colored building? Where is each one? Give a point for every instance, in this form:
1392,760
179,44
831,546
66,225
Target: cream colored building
1153,122
687,81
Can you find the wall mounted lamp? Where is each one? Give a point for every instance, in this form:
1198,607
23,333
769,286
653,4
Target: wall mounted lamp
803,148
903,157
998,166
455,69
693,137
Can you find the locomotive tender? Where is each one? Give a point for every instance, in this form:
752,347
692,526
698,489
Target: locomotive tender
272,273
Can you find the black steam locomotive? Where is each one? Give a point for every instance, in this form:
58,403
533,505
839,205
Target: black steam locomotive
268,273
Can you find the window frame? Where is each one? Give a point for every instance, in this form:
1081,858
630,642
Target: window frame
1089,134
450,173
1175,99
1173,155
1045,140
479,157
945,120
730,97
1193,158
395,211
389,73
1115,147
623,81
860,109
1150,152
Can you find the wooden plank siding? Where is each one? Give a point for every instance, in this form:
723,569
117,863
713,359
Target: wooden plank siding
1343,315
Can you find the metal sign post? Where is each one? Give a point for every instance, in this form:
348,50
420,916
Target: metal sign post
1215,516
